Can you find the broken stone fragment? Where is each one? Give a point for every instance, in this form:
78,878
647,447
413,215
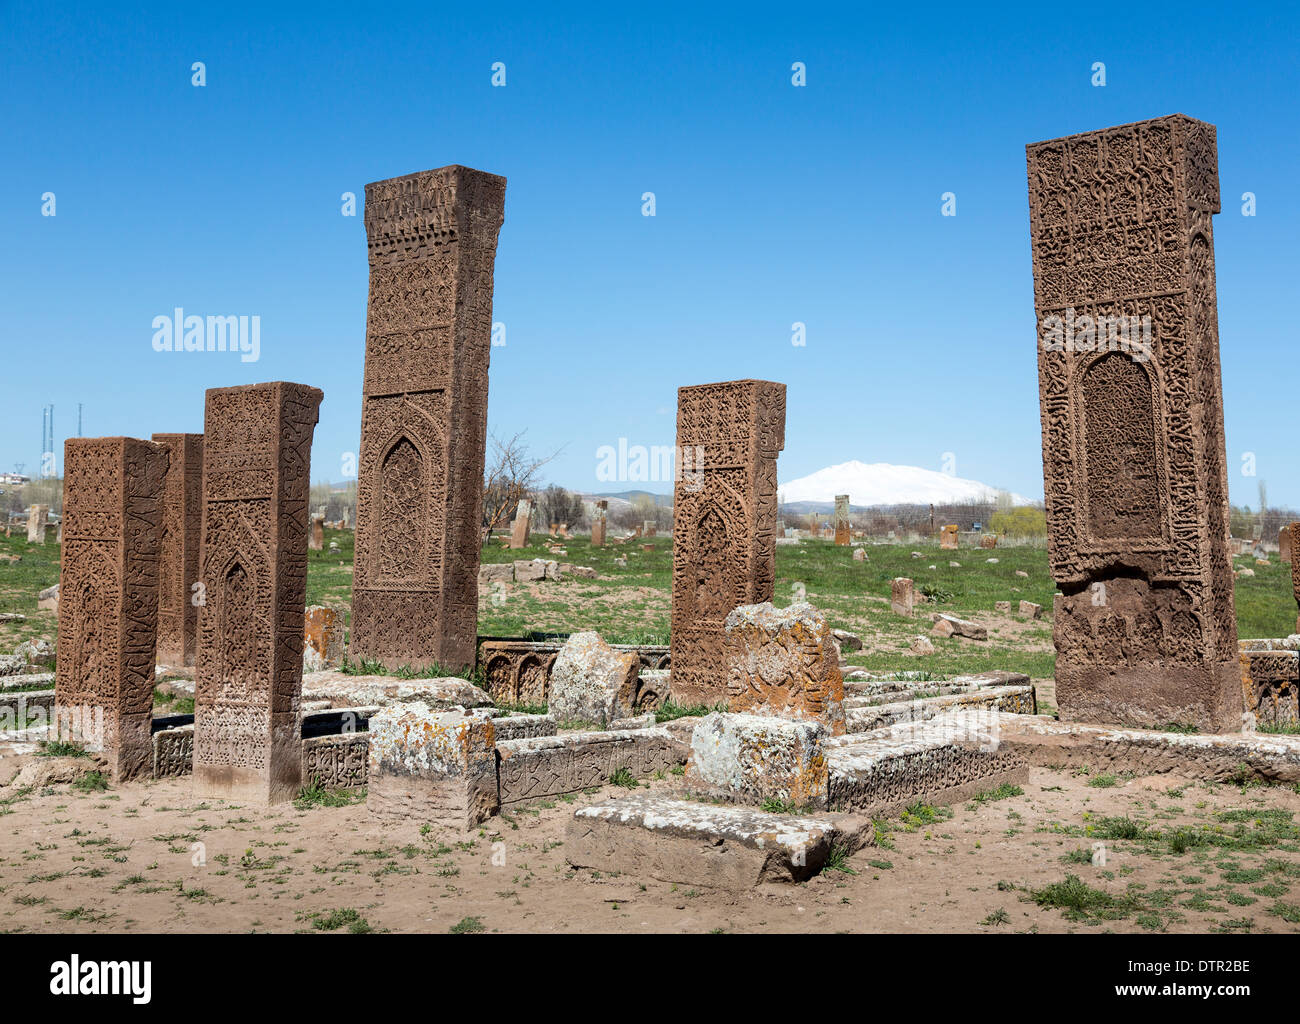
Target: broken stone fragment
592,682
950,625
1034,611
496,572
783,662
921,645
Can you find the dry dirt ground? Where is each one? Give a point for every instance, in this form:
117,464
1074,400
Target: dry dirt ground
150,857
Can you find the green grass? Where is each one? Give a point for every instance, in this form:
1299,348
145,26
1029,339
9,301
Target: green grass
467,926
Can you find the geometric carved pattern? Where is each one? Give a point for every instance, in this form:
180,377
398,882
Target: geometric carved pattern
432,241
182,517
248,678
724,516
108,607
1134,467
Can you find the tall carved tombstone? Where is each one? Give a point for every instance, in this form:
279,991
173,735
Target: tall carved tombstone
519,528
182,517
724,522
108,598
37,518
1133,450
248,680
432,239
1294,532
599,522
842,519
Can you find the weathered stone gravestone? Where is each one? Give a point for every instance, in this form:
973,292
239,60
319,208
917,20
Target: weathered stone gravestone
108,607
598,524
1295,573
519,528
248,677
1133,446
1284,544
178,570
784,662
37,517
316,539
948,538
902,596
724,543
649,529
432,239
816,526
842,535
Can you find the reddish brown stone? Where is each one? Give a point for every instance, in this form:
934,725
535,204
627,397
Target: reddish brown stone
1284,544
598,524
519,528
902,596
1133,449
948,538
432,239
724,516
108,590
182,518
248,677
1295,573
316,538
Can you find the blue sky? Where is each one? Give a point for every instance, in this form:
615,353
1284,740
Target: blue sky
774,204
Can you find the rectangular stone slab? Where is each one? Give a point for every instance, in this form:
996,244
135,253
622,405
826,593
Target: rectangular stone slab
697,844
529,769
938,762
1045,741
1019,700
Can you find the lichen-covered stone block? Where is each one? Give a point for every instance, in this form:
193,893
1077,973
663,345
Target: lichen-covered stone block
528,769
435,766
785,662
940,761
592,682
322,639
749,758
697,844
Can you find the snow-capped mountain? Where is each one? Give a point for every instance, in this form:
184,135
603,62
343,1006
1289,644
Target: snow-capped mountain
880,483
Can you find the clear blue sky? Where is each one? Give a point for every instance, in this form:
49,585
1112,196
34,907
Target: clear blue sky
775,204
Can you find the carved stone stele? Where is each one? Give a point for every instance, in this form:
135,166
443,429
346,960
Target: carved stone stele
432,239
724,522
1134,466
248,679
182,517
842,519
108,598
